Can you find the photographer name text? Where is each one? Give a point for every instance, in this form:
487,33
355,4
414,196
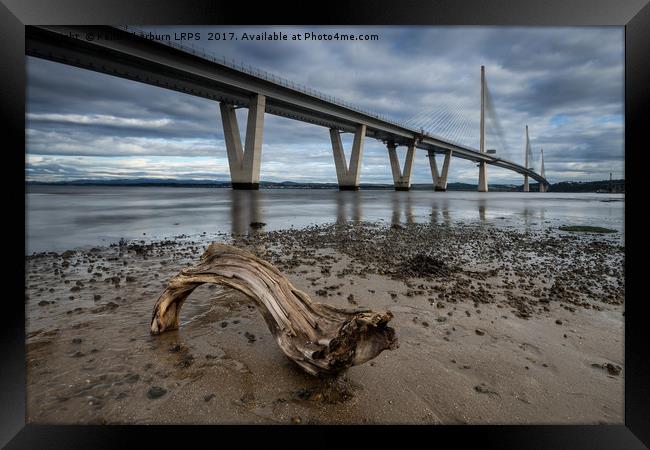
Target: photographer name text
232,36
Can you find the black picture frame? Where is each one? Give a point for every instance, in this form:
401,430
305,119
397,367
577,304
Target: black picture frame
634,15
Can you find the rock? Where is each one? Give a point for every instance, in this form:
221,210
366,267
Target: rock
303,393
558,321
97,297
296,420
484,390
43,303
257,225
107,307
132,378
479,332
185,362
613,369
76,341
208,397
156,392
250,337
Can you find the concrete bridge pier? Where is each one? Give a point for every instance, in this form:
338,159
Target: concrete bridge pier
401,178
244,164
526,186
439,180
482,177
348,176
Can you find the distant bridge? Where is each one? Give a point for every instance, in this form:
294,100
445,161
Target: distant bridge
121,52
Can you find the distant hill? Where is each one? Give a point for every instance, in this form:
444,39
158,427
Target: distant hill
564,186
617,186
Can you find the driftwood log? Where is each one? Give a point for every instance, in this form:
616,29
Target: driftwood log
321,339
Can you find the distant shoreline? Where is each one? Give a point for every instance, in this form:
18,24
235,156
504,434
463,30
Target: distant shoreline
617,186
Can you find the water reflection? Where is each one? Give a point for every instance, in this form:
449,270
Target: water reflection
402,199
348,203
481,209
440,210
527,214
244,211
62,218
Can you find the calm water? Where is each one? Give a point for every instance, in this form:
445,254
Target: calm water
62,218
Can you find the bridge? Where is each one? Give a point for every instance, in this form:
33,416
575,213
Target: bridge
124,52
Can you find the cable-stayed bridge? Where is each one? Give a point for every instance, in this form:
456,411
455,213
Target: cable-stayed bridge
125,52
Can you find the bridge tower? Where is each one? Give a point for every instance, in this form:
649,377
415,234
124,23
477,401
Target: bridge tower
244,163
542,186
482,171
526,151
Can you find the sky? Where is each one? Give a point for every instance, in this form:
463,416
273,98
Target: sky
566,84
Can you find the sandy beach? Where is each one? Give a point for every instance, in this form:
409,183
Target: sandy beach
495,326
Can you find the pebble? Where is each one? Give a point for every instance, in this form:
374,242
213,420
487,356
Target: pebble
156,392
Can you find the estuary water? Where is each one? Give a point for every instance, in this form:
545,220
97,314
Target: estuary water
60,218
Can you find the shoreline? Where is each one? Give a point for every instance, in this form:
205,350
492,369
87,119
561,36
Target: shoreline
495,326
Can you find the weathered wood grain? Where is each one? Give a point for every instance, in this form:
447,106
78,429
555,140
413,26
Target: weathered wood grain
321,339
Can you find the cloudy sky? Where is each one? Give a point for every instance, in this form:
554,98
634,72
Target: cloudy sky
565,83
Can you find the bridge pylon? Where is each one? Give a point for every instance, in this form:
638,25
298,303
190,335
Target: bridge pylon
482,171
348,176
526,152
401,178
244,164
543,187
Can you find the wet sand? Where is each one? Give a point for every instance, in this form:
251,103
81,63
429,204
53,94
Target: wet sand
495,326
